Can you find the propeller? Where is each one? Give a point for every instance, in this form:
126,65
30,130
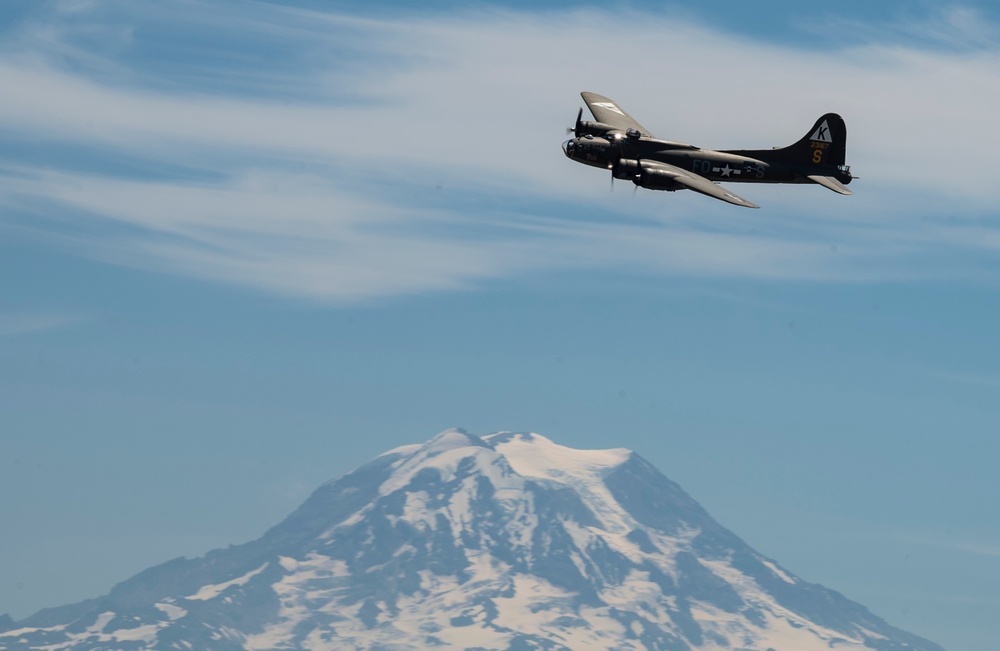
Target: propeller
575,129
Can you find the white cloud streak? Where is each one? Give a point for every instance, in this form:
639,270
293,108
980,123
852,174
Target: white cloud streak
963,542
989,381
422,154
22,323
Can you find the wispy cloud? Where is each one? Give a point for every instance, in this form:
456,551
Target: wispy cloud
337,157
980,380
954,27
978,550
951,542
20,323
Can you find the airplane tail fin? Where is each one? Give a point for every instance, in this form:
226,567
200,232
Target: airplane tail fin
825,144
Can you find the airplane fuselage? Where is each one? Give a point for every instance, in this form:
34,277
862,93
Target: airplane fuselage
731,166
616,142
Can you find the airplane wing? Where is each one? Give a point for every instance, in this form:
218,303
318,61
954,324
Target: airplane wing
605,110
697,183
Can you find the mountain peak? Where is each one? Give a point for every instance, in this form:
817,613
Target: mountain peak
509,541
452,438
442,454
532,455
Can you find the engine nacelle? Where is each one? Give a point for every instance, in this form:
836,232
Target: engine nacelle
644,175
655,179
626,168
592,128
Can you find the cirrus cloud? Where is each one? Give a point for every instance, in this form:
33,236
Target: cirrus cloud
421,154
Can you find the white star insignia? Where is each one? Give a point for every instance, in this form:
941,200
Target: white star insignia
609,106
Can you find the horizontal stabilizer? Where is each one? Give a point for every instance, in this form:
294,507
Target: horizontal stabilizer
830,182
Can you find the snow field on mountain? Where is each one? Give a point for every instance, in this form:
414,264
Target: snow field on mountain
444,453
427,613
540,607
311,585
95,636
536,457
784,629
778,572
172,611
213,591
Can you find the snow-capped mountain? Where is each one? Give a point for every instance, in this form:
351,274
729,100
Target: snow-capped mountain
508,541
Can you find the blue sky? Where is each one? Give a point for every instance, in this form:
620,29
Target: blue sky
245,247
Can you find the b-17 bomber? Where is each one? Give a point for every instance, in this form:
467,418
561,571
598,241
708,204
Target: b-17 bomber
615,141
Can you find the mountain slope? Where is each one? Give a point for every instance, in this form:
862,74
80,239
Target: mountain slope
503,542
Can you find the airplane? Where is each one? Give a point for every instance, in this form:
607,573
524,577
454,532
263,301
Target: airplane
618,143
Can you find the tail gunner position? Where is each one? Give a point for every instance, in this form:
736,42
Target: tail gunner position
618,143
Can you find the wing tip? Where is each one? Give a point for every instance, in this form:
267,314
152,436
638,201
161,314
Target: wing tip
737,200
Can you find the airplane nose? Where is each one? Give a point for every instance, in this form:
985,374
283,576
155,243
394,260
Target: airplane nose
567,148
